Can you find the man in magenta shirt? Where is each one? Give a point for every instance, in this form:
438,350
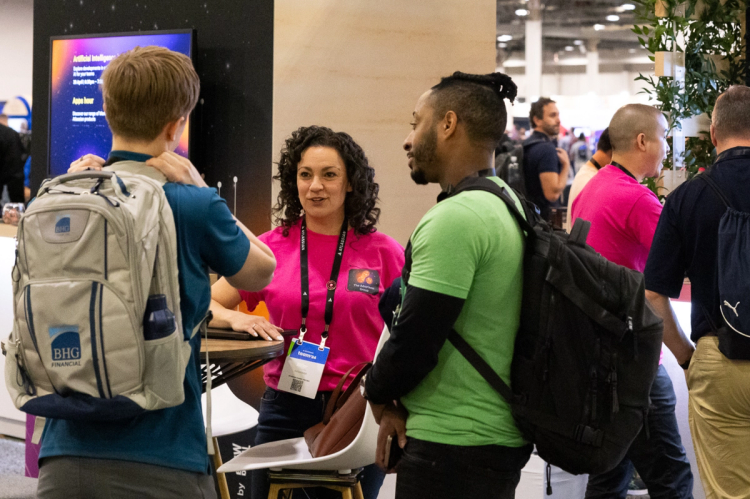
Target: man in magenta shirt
623,215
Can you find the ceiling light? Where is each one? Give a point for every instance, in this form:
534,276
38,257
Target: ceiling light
598,27
632,51
569,48
613,18
502,45
504,38
522,12
627,6
578,42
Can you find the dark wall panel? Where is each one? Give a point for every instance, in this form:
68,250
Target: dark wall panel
234,60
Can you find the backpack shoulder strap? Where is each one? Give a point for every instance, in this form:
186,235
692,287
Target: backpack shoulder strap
481,366
487,185
715,187
518,152
138,168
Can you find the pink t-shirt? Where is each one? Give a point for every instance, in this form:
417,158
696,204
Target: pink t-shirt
370,264
623,216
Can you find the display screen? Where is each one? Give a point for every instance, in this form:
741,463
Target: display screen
77,122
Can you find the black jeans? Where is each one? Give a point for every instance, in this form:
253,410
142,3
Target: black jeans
429,470
659,457
284,415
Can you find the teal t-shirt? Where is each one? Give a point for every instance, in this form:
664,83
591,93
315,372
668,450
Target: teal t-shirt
469,246
207,235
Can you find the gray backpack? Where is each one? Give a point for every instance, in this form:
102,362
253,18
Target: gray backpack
97,332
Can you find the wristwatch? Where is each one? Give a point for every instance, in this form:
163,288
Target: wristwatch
687,363
362,390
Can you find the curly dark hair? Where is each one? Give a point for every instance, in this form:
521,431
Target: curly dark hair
359,206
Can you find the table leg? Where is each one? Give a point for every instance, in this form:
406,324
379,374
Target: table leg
220,477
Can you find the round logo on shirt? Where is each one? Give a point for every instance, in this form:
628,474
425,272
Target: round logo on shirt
331,285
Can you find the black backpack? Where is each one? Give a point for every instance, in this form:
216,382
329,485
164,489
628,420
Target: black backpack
734,287
587,350
503,158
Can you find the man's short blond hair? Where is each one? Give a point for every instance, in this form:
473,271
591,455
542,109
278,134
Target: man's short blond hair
146,88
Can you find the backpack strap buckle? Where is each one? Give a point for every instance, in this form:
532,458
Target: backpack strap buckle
589,436
579,232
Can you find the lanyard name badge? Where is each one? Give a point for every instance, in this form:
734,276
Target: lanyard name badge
303,368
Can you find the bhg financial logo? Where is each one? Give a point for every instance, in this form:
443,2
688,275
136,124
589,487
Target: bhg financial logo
62,225
66,346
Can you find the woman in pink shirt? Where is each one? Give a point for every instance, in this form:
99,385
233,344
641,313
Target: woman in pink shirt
327,202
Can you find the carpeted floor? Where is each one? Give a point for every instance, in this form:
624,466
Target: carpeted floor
12,458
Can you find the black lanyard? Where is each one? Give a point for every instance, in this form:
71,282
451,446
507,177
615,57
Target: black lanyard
596,164
331,284
618,165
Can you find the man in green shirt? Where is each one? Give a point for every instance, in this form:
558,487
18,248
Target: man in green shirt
466,273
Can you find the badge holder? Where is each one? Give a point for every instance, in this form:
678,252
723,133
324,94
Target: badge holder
304,365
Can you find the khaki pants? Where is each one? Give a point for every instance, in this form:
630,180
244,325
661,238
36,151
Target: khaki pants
719,413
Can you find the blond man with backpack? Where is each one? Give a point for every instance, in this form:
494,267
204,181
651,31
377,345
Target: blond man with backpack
130,443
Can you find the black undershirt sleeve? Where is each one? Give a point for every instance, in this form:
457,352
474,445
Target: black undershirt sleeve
424,323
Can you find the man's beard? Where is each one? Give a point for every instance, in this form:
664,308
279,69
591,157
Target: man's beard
424,154
419,177
551,130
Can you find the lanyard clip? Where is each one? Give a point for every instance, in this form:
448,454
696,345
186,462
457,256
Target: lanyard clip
302,332
323,338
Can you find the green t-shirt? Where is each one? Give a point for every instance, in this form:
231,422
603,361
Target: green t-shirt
469,246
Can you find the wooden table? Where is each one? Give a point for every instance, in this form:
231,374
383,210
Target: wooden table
8,230
232,358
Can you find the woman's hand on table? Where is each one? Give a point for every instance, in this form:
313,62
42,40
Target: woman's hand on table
255,325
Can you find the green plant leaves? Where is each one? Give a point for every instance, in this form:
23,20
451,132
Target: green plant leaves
716,30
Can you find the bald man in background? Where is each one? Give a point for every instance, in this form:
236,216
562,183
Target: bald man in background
624,215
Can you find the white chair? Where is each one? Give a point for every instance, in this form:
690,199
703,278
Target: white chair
229,415
293,454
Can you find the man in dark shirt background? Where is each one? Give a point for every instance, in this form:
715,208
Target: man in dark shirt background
11,161
546,166
686,243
